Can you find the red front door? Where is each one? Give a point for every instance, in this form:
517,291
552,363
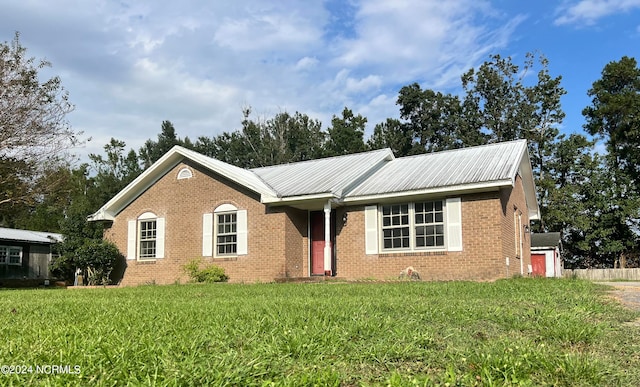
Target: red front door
538,265
317,243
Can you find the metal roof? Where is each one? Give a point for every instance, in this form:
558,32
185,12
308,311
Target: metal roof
367,176
460,167
12,234
329,175
547,239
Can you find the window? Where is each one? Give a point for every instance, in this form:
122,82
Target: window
395,226
147,239
226,236
224,232
410,226
429,224
10,255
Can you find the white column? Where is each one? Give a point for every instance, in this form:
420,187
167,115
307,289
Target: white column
327,237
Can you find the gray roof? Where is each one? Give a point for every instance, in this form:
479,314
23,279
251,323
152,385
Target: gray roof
547,239
329,175
11,234
361,177
481,164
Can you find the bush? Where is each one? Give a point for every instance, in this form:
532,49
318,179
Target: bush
208,274
98,258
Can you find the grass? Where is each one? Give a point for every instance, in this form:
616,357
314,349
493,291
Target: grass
511,332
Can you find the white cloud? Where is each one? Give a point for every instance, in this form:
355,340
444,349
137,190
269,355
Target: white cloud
589,11
129,65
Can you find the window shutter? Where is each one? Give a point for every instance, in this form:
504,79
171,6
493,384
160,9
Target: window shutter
131,239
207,235
160,238
371,229
454,224
241,224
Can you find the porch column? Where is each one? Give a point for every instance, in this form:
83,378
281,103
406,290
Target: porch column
327,238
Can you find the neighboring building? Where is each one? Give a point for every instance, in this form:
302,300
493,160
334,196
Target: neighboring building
26,254
545,254
454,215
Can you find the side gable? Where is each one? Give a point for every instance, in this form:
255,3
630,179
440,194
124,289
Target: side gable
165,164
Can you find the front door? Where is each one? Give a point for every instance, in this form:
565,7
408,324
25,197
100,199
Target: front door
316,219
538,265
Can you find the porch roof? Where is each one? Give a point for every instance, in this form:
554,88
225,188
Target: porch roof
332,175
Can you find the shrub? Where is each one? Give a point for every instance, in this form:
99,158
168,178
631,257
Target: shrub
208,274
98,258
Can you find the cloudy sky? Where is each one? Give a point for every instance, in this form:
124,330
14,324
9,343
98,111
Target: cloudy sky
128,65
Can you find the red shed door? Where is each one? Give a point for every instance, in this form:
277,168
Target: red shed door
538,265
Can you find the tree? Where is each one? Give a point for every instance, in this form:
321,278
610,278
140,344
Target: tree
436,120
151,151
613,117
34,133
395,135
346,134
284,138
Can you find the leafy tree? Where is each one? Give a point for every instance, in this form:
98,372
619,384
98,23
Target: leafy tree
436,120
34,133
282,139
613,116
395,135
151,151
113,171
346,134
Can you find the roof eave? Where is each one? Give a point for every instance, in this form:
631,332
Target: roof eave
290,200
442,191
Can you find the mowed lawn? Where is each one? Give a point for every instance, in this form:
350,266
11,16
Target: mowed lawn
510,332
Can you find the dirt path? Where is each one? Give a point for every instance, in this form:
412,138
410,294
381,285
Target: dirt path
627,292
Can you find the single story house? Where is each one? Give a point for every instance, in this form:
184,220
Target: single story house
545,254
454,215
26,254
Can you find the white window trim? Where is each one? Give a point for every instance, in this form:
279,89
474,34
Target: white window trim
412,230
139,239
7,262
210,232
133,237
215,234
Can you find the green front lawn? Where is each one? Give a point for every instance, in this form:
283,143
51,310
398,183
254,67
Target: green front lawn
520,331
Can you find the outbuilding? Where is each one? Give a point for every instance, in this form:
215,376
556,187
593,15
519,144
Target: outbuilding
545,254
26,254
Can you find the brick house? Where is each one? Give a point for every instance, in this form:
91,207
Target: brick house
453,215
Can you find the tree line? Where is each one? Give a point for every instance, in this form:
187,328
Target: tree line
592,197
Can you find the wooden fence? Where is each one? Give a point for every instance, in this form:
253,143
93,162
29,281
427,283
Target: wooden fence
604,274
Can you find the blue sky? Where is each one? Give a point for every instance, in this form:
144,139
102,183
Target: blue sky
129,65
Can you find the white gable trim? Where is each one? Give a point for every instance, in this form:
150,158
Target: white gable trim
165,164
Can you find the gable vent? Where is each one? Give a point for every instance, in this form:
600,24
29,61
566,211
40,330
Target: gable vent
185,173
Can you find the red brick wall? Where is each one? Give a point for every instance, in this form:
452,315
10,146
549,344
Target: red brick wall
278,241
513,201
182,203
488,238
